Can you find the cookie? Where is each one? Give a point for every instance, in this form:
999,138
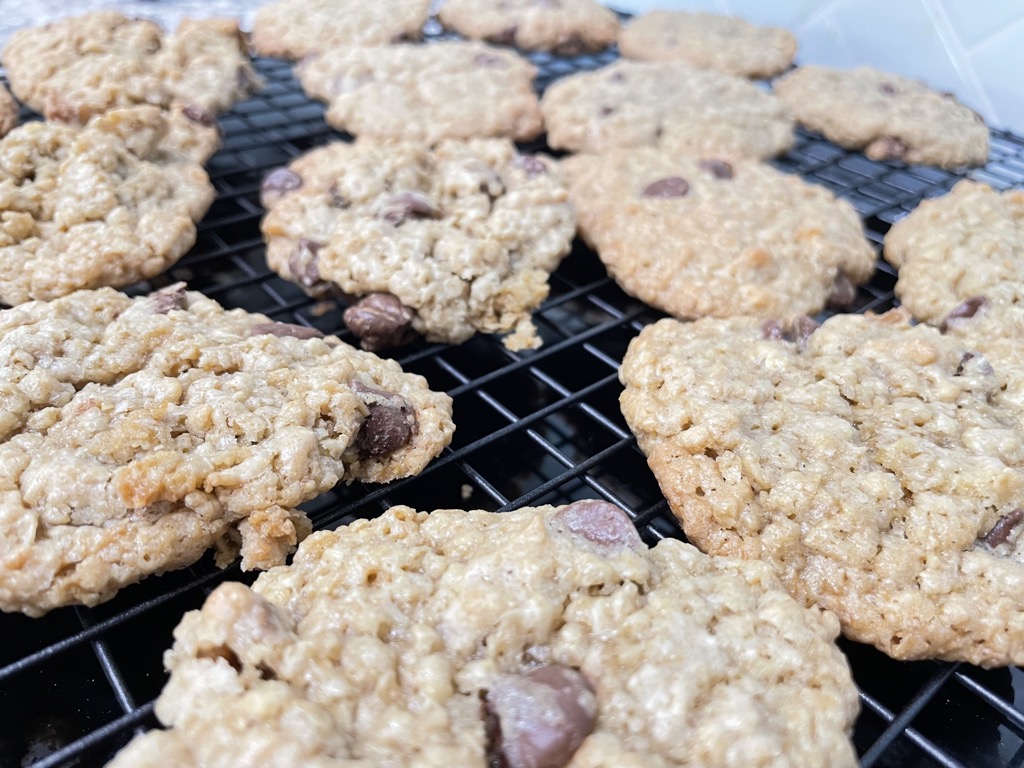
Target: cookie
707,40
138,433
547,636
8,111
886,116
674,106
112,203
445,243
870,462
993,330
296,28
969,242
76,68
446,90
710,237
566,27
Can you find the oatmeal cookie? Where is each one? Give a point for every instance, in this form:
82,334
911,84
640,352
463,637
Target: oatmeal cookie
566,27
137,433
447,90
112,203
296,28
8,111
723,43
886,116
548,636
443,242
674,106
76,68
969,242
872,463
710,237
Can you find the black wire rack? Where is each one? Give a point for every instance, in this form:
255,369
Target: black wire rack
533,428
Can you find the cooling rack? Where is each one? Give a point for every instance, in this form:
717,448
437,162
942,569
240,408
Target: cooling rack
540,427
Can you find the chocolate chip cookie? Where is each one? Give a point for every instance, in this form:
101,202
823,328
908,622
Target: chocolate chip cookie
112,203
445,242
137,433
709,41
872,463
715,237
8,111
886,116
296,28
967,243
447,90
548,636
674,106
76,68
566,27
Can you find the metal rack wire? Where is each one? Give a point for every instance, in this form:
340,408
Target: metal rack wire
533,428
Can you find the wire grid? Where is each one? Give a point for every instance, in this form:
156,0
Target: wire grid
533,428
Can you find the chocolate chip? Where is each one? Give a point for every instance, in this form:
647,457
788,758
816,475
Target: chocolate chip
886,148
772,331
843,294
169,298
963,311
539,719
599,522
617,77
277,184
1000,532
671,186
506,36
197,114
293,330
492,60
533,165
799,332
302,263
717,168
380,320
605,111
887,88
973,363
337,199
403,206
389,425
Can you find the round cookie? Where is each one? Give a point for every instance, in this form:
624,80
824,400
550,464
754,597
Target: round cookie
566,27
447,90
709,237
8,111
73,69
138,433
870,462
674,106
966,243
710,41
548,636
886,116
296,28
112,203
445,242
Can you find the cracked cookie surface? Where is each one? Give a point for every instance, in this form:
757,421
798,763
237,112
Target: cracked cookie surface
138,433
445,242
872,463
455,626
76,68
886,116
711,237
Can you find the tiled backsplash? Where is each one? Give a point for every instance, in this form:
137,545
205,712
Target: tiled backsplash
973,48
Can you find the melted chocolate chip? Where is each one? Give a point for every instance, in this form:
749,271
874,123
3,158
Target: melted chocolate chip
337,199
403,206
380,320
169,298
302,263
772,331
293,330
717,168
539,719
843,294
599,522
671,186
1000,532
197,114
605,111
533,165
973,363
389,425
799,332
963,311
277,184
887,88
506,36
